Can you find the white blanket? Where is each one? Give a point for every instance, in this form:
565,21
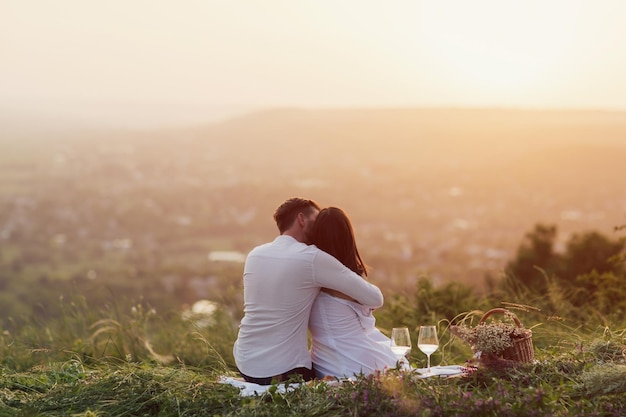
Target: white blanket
443,371
249,388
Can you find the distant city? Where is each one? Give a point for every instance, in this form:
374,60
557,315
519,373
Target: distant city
445,194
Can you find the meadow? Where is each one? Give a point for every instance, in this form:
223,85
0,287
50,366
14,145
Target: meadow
106,240
133,361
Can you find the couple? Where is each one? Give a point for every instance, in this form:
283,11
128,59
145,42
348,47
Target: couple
311,277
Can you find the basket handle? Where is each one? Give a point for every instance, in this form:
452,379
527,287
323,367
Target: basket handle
502,311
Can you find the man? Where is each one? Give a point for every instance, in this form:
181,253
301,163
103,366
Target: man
281,280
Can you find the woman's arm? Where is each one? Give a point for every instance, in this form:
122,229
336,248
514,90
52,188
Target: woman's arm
332,274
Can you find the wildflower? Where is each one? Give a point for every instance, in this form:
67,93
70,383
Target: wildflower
539,394
491,338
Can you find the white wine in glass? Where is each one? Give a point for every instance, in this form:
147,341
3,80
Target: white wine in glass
428,342
400,341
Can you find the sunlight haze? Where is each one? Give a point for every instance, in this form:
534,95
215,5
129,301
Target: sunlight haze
192,60
477,147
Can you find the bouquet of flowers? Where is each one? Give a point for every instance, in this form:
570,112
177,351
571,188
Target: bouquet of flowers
498,339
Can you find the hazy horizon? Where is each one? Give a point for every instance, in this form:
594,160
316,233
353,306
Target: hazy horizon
448,193
151,116
150,63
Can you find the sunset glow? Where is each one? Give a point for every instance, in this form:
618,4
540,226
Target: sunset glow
503,47
179,59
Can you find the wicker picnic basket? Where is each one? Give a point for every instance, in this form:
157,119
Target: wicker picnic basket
522,349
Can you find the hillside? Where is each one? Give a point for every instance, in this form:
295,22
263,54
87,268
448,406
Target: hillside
444,192
449,191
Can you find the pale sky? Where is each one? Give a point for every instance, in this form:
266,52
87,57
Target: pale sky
172,58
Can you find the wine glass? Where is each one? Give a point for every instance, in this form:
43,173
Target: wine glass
428,342
400,341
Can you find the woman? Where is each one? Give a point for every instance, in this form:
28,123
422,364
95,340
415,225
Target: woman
345,340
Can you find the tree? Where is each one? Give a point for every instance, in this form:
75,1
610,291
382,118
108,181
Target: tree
590,252
535,254
591,271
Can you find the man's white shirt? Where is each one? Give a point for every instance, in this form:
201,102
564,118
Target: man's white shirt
281,280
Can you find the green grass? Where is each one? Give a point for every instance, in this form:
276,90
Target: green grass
566,386
134,361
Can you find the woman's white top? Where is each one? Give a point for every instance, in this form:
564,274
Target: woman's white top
345,340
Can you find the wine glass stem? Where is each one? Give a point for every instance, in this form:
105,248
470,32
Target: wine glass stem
428,363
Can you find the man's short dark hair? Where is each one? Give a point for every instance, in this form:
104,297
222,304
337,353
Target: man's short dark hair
287,212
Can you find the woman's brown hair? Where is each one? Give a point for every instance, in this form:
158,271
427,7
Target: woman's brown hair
332,232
